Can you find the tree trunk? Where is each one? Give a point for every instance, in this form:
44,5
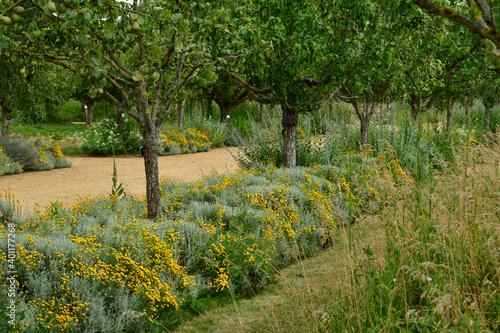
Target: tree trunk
150,126
204,106
365,124
89,112
414,114
5,119
449,107
150,146
290,119
210,109
180,113
119,121
261,113
487,118
225,111
467,114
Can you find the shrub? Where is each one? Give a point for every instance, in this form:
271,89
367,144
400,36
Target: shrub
7,165
211,127
173,140
18,153
21,151
104,138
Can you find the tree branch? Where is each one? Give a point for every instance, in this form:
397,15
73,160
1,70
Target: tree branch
478,26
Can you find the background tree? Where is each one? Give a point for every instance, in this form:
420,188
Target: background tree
369,61
294,42
31,90
12,87
226,94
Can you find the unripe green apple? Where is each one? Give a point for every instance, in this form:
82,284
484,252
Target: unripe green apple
6,20
51,7
19,10
16,18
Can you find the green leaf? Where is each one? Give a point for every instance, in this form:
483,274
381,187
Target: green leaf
156,50
108,34
93,93
137,76
109,29
86,18
178,46
167,14
177,17
489,45
70,14
490,58
184,26
69,24
96,75
497,21
3,43
96,61
83,41
74,56
31,11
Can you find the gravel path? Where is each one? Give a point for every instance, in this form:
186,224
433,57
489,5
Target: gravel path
90,176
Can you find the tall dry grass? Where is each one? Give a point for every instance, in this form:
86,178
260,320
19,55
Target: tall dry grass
428,262
441,265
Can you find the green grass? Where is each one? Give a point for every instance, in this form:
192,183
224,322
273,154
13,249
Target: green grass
54,131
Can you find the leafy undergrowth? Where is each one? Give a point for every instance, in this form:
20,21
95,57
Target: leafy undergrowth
102,266
429,262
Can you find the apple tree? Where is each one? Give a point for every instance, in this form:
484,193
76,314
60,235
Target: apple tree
370,61
292,47
146,51
30,89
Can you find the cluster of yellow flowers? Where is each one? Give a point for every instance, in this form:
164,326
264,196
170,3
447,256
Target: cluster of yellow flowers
187,140
56,150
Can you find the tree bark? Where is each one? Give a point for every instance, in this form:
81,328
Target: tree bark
149,126
225,111
414,114
150,146
119,121
449,107
290,119
5,119
180,113
364,114
89,112
487,118
365,125
467,114
261,113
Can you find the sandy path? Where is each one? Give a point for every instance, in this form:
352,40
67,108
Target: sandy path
90,176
